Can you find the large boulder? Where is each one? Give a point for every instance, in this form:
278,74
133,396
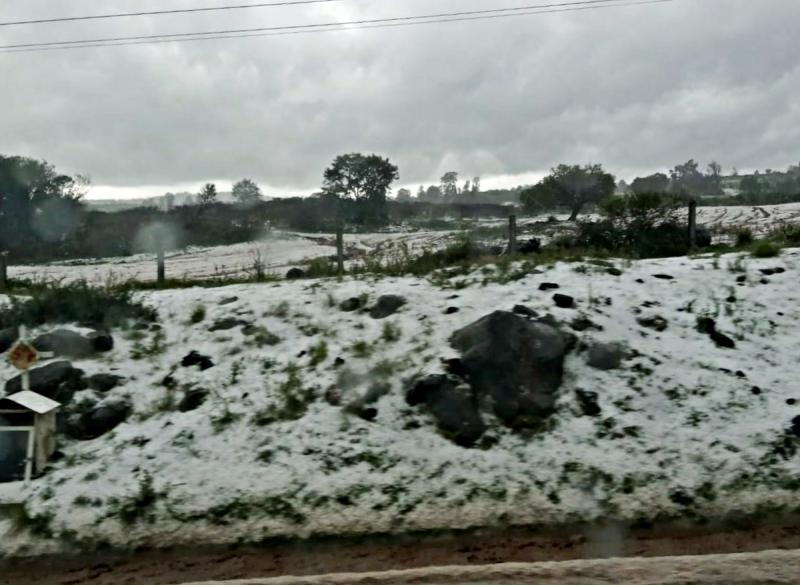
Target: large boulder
7,338
386,306
516,362
66,343
56,380
99,420
453,404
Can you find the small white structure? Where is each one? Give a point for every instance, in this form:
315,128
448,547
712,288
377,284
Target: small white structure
27,434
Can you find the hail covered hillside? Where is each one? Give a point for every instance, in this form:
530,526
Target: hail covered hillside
664,389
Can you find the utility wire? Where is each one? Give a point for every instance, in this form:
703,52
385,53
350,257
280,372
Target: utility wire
332,27
162,12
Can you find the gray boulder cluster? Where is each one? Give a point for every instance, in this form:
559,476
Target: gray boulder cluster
60,380
511,363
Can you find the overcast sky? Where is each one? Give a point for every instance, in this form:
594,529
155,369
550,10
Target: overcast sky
638,88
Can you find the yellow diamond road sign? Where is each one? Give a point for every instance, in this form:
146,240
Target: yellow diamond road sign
22,356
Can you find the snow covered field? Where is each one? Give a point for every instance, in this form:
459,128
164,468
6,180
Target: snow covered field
277,253
284,250
687,429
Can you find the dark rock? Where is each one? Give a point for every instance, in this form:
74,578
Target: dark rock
731,299
386,306
772,271
583,323
454,366
756,391
104,382
453,405
227,324
228,301
63,342
100,420
196,359
708,326
545,286
640,280
588,403
525,311
681,498
295,273
791,401
451,310
564,301
353,304
740,374
169,381
517,363
101,341
664,277
656,322
339,362
7,338
614,271
532,246
606,356
741,279
368,414
722,340
193,399
57,380
795,430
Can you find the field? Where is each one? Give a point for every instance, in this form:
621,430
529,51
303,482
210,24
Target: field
280,251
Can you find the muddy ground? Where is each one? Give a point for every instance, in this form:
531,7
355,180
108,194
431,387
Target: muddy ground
394,553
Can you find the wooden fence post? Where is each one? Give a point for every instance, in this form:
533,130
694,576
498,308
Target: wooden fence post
692,224
161,270
3,270
340,250
512,234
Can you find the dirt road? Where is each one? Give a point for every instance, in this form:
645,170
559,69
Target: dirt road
774,567
398,553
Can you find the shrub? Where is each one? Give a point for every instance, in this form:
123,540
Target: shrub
744,237
198,314
765,249
74,303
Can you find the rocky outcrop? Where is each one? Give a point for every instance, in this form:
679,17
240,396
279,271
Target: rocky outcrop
71,344
453,404
517,363
386,306
57,380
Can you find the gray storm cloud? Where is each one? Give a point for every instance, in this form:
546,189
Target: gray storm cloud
635,88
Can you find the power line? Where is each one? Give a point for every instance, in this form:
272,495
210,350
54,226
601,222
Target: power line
162,12
334,26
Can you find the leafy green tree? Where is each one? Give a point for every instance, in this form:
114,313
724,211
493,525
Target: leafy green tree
449,187
570,186
38,206
247,191
656,183
364,178
208,194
